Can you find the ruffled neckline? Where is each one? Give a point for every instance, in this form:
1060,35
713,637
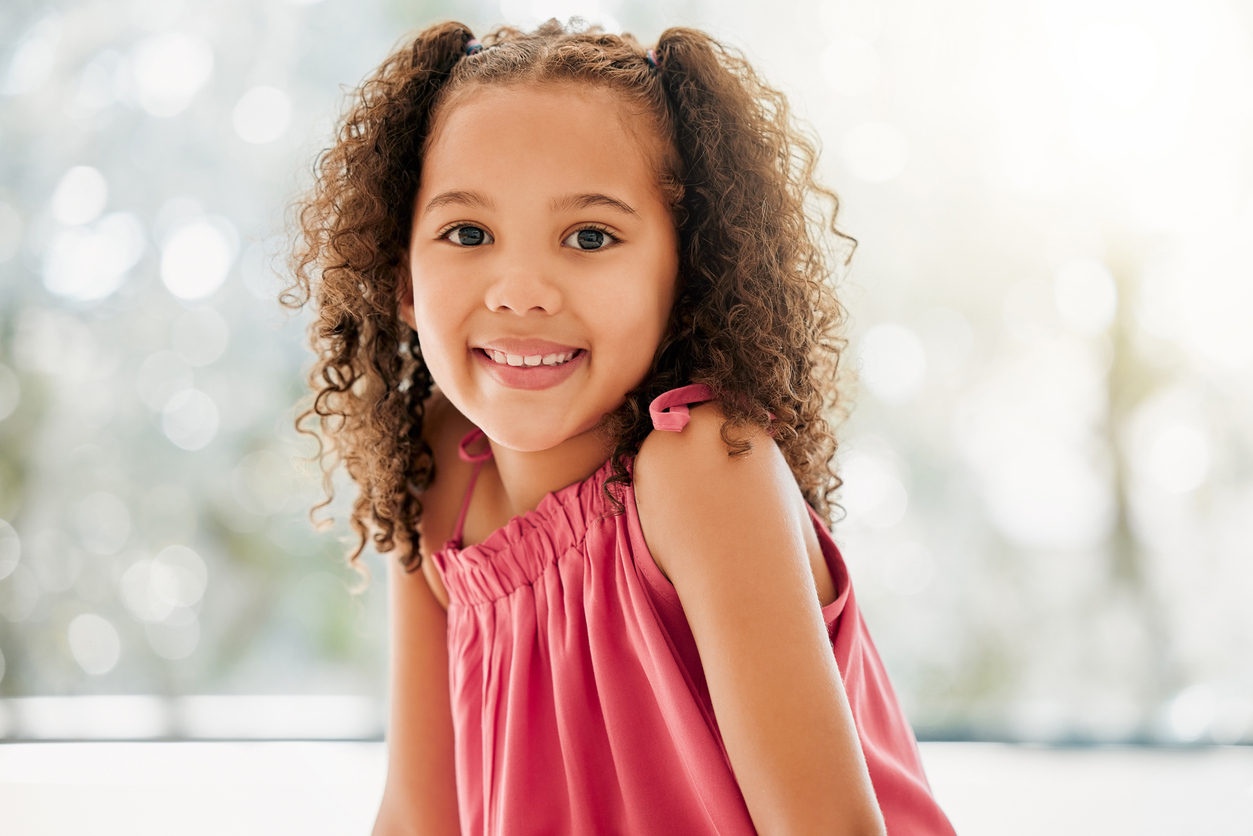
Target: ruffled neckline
518,552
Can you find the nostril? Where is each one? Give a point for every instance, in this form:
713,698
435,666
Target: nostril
523,294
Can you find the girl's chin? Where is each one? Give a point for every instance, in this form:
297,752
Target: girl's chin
536,438
526,442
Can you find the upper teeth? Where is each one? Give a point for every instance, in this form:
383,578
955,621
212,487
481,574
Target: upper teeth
530,359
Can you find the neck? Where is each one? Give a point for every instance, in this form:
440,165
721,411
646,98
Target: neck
525,478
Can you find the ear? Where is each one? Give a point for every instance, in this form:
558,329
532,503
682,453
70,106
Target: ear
404,290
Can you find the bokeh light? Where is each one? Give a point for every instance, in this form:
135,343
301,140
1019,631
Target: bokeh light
19,594
1047,491
94,643
80,197
190,419
1192,712
10,549
170,68
893,362
196,259
176,636
157,588
88,263
261,115
32,61
873,494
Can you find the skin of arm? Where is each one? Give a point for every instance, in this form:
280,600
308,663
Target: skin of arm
420,796
734,537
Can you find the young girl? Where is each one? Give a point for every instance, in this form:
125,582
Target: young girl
576,341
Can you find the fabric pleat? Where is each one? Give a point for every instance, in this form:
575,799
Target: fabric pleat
579,703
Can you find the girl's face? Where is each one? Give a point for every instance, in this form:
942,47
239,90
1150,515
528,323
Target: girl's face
543,259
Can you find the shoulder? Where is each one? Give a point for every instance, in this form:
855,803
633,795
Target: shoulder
699,451
689,486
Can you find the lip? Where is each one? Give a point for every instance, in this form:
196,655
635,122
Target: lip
529,377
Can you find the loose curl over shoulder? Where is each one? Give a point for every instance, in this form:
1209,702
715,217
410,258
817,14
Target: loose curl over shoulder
755,316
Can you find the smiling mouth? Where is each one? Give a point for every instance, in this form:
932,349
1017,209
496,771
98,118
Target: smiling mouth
501,358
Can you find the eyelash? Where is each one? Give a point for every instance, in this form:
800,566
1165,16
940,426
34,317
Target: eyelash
444,231
453,227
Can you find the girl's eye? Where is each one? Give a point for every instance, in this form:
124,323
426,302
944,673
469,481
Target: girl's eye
590,239
468,236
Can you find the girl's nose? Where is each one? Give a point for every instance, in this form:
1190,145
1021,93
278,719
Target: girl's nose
523,287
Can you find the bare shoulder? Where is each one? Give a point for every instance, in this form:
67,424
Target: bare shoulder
689,481
699,449
701,509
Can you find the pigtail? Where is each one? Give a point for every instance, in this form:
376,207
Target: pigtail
370,382
755,316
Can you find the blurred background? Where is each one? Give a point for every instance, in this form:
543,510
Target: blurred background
1048,461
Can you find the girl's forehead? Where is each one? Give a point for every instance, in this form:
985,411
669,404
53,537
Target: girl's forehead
500,97
505,125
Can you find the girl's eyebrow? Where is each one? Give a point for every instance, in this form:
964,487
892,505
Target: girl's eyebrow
586,201
477,200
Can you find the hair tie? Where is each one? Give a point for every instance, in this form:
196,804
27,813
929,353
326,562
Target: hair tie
473,46
652,58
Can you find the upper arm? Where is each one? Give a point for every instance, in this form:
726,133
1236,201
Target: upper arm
420,796
730,533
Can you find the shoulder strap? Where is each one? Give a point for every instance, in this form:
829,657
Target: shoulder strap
477,459
669,409
465,455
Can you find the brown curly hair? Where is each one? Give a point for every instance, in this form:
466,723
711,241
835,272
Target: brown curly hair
755,315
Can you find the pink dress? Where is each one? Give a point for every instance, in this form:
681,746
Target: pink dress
578,698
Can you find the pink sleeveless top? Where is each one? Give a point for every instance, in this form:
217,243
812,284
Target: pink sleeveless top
578,698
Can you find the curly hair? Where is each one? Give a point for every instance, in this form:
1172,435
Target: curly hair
755,315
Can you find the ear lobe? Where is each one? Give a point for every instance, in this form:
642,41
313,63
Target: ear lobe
404,300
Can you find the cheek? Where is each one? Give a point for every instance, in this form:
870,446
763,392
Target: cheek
656,305
437,315
635,315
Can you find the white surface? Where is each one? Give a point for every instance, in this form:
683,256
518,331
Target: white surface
333,788
989,788
198,717
138,789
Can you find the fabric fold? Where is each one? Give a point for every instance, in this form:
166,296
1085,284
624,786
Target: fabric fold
579,701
